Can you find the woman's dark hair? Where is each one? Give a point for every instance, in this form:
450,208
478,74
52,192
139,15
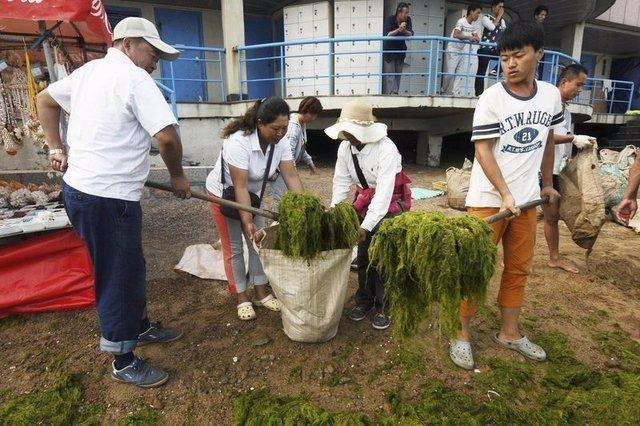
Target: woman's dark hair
473,7
310,105
538,10
521,35
401,6
496,2
265,110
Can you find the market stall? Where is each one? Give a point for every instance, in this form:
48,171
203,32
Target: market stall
43,264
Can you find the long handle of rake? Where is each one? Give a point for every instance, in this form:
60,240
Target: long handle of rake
217,200
507,213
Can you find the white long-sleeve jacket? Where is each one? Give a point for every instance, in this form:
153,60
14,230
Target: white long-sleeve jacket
380,162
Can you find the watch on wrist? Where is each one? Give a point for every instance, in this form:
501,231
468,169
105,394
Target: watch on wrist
55,151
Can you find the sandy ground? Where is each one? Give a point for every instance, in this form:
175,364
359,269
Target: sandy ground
205,377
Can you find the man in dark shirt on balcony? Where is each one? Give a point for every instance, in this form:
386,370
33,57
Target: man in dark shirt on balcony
398,25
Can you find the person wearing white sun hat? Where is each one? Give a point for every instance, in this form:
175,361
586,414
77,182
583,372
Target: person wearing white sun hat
115,108
370,160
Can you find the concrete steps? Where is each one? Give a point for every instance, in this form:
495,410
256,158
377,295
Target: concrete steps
629,134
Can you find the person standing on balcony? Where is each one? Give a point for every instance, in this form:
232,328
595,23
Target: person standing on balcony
492,25
461,60
397,25
540,15
570,82
296,135
115,108
513,137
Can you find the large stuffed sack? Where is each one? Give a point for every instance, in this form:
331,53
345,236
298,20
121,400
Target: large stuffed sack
312,291
582,203
457,187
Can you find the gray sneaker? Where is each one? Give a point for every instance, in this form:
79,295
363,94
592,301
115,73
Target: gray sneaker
358,313
381,321
140,373
159,334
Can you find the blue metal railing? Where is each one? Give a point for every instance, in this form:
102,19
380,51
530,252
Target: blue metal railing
434,54
172,97
206,60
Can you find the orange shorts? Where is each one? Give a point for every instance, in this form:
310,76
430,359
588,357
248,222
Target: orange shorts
518,237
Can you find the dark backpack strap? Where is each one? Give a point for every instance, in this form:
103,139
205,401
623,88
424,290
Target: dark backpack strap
266,173
222,179
356,164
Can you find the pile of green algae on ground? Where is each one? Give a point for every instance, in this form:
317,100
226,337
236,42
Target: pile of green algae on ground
563,391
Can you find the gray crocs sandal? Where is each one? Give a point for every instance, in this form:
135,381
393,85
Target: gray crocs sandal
523,346
461,354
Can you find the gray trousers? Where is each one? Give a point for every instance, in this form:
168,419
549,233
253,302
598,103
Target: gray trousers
278,188
392,82
230,231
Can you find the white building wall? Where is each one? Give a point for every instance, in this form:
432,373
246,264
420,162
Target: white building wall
625,12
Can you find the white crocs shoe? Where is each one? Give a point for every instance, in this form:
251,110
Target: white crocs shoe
523,346
461,354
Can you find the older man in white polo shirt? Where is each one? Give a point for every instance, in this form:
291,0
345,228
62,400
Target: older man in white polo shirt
115,108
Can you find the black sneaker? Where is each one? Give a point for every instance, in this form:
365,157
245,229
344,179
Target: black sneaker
358,313
158,334
140,373
381,321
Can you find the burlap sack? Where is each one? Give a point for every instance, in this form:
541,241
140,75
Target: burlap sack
312,293
614,173
457,187
582,202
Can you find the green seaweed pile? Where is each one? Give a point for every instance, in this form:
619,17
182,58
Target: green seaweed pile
306,229
563,391
62,404
429,260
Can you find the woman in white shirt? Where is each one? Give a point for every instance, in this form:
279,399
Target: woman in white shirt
369,159
308,111
240,174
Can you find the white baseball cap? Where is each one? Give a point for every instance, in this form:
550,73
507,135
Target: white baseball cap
140,27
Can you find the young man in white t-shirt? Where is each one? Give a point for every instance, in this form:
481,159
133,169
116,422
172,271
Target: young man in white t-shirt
570,82
461,60
513,136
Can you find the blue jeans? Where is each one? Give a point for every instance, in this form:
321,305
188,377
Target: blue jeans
112,230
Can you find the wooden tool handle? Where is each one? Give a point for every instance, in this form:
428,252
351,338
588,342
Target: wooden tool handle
507,213
217,200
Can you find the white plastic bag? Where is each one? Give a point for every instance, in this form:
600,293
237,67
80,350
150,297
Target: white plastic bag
312,293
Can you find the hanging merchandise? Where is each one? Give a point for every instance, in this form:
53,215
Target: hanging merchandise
11,134
32,124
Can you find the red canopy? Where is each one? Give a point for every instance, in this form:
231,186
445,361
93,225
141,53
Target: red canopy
92,12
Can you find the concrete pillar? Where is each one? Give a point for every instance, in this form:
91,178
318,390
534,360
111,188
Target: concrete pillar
572,37
232,35
435,149
428,150
422,151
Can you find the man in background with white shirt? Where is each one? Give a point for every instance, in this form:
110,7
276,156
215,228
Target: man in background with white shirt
570,82
461,60
115,108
